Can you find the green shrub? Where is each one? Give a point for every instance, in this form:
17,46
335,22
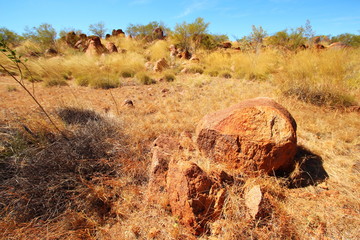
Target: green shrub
52,82
127,73
104,83
11,88
225,74
212,73
196,69
169,77
82,81
144,78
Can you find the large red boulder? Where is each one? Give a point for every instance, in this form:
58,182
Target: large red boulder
95,46
254,136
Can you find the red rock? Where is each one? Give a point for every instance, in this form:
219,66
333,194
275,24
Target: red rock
117,32
111,47
256,135
226,45
95,47
158,33
71,38
160,65
338,45
162,150
184,55
195,198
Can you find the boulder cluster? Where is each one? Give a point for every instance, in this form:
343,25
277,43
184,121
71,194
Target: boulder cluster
92,45
255,137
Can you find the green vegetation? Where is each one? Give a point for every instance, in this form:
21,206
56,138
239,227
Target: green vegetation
98,29
189,35
10,37
146,31
347,38
45,35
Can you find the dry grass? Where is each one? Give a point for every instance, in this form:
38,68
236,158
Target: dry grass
93,186
323,78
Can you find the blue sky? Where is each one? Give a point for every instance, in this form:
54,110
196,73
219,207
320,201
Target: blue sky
231,17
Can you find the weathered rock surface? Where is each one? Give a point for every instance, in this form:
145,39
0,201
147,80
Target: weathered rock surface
184,55
117,32
95,47
258,202
160,65
50,52
338,45
163,148
158,33
195,197
111,47
256,135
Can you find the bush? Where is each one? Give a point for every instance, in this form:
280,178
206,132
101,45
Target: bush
60,176
45,35
82,81
144,78
169,77
52,82
225,74
127,73
104,83
212,73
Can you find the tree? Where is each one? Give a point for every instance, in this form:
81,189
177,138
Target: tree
142,31
98,29
347,38
308,31
9,36
65,31
291,41
257,35
190,34
45,34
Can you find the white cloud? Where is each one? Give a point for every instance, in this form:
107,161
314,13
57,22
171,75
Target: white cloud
193,7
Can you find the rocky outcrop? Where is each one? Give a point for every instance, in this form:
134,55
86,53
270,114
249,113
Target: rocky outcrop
117,32
95,47
184,55
50,52
158,33
160,65
195,197
338,45
71,38
163,148
226,45
111,47
254,136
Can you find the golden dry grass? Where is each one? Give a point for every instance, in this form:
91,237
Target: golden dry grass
330,210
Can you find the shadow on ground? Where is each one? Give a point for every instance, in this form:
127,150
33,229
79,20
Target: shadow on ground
308,171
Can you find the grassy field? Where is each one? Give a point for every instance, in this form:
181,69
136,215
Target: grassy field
93,184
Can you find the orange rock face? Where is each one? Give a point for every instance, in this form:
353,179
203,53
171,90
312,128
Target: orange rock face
256,135
160,65
195,197
95,47
111,47
163,147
